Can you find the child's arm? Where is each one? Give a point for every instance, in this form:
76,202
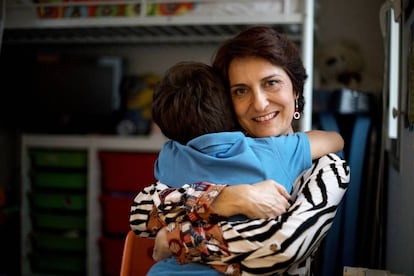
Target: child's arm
324,142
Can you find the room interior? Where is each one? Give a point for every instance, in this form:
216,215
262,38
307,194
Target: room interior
77,80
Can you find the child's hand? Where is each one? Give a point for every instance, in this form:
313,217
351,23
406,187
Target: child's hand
161,247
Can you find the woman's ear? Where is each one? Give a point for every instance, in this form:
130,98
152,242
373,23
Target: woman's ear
296,95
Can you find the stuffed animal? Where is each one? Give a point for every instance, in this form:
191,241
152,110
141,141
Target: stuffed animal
340,64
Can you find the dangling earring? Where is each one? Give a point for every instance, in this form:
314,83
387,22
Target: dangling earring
296,114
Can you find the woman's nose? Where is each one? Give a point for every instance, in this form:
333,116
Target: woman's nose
260,101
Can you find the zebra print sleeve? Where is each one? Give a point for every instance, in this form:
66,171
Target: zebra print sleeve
141,221
158,205
286,244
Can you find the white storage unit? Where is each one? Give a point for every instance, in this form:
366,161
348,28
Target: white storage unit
92,146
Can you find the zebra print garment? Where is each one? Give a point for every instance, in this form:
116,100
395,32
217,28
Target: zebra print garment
282,245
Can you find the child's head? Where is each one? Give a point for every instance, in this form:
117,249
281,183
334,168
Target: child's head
190,101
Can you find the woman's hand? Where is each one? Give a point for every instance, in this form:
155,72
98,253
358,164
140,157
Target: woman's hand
161,248
266,199
261,200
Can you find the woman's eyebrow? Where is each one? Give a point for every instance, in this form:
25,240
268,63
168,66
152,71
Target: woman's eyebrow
237,85
271,76
262,79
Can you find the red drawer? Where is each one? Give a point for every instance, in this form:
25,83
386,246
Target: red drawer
111,255
116,211
126,171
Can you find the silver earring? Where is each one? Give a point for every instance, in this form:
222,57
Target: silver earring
296,114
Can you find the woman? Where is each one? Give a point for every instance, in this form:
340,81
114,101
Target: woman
258,64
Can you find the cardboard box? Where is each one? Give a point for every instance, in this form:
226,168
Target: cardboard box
360,271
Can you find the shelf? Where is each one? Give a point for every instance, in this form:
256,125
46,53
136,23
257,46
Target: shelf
142,34
93,146
26,23
109,142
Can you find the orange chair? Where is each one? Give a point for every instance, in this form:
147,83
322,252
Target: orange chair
137,255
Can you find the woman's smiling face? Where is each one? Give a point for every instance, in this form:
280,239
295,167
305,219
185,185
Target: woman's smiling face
262,95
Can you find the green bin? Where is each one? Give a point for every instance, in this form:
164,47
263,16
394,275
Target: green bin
59,242
67,159
69,264
59,180
59,201
58,221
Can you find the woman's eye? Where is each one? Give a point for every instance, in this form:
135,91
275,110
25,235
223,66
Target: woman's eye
239,91
271,83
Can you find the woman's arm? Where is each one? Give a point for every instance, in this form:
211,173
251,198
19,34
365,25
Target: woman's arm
158,205
295,235
267,246
324,142
282,243
261,200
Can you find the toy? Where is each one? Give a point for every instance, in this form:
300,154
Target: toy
340,65
136,95
169,9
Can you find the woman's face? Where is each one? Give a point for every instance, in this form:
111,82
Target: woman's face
262,95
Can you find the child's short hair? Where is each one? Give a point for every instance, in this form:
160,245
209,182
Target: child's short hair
191,100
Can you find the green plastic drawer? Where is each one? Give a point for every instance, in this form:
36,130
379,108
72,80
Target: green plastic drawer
59,159
59,201
56,242
59,180
59,221
73,264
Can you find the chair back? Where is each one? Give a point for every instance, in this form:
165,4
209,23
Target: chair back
137,255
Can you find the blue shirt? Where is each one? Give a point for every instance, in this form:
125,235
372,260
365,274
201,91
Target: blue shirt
228,158
170,267
232,158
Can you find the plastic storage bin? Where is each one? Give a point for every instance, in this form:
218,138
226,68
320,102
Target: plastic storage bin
62,264
116,211
58,242
59,201
57,221
111,255
127,172
59,180
59,159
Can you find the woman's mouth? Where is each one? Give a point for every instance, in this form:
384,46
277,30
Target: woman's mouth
266,117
